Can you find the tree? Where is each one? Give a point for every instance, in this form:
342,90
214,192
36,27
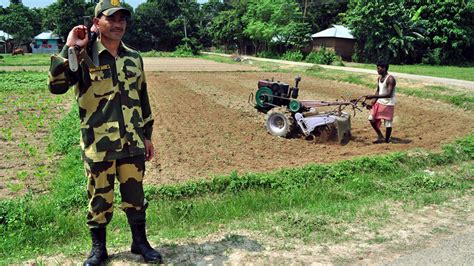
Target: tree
16,21
450,31
383,30
62,15
152,23
208,12
275,22
321,14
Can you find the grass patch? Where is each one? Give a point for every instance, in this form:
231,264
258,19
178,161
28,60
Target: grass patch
453,72
25,60
27,112
460,99
178,53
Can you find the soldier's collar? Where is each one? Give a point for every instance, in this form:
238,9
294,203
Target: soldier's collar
99,47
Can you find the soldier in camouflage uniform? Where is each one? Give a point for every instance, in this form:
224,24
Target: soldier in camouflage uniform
116,125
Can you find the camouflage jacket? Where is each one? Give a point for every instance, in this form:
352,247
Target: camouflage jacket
114,109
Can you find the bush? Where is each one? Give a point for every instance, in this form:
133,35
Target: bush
267,54
293,56
432,57
323,56
191,46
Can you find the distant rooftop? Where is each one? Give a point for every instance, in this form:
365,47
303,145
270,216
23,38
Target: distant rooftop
336,31
47,35
5,36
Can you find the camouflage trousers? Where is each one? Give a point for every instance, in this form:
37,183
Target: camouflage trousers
100,190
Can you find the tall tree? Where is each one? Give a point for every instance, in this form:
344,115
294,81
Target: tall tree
208,12
450,30
63,15
227,28
152,23
383,30
16,21
275,22
320,14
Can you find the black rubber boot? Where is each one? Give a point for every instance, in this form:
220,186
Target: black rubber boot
141,246
98,255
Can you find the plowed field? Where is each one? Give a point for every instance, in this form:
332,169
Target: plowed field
204,126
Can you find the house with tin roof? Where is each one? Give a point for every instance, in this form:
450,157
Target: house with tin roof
337,38
46,43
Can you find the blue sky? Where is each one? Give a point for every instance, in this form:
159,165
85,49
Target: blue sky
43,3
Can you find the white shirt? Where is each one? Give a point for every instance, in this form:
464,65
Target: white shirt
383,89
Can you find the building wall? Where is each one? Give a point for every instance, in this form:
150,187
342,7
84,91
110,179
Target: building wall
345,48
6,47
45,46
318,43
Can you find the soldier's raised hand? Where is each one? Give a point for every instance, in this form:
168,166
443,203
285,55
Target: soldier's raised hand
78,36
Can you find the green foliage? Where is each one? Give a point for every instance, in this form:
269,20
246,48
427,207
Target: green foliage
320,15
296,56
383,30
208,12
62,15
25,82
323,56
268,54
65,136
227,28
19,21
450,31
190,47
432,57
270,22
412,32
26,60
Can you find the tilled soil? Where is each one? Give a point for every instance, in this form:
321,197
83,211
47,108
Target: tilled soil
204,126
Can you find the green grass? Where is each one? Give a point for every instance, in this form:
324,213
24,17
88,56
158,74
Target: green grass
25,60
154,53
24,96
453,72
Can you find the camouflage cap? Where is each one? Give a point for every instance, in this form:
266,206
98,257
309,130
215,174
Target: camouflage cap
109,7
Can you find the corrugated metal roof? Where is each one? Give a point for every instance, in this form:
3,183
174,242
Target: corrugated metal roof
47,35
336,31
5,36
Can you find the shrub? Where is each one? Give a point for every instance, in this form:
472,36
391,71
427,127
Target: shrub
267,54
292,56
323,56
432,57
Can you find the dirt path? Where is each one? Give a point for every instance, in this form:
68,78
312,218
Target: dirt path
163,64
425,79
24,68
